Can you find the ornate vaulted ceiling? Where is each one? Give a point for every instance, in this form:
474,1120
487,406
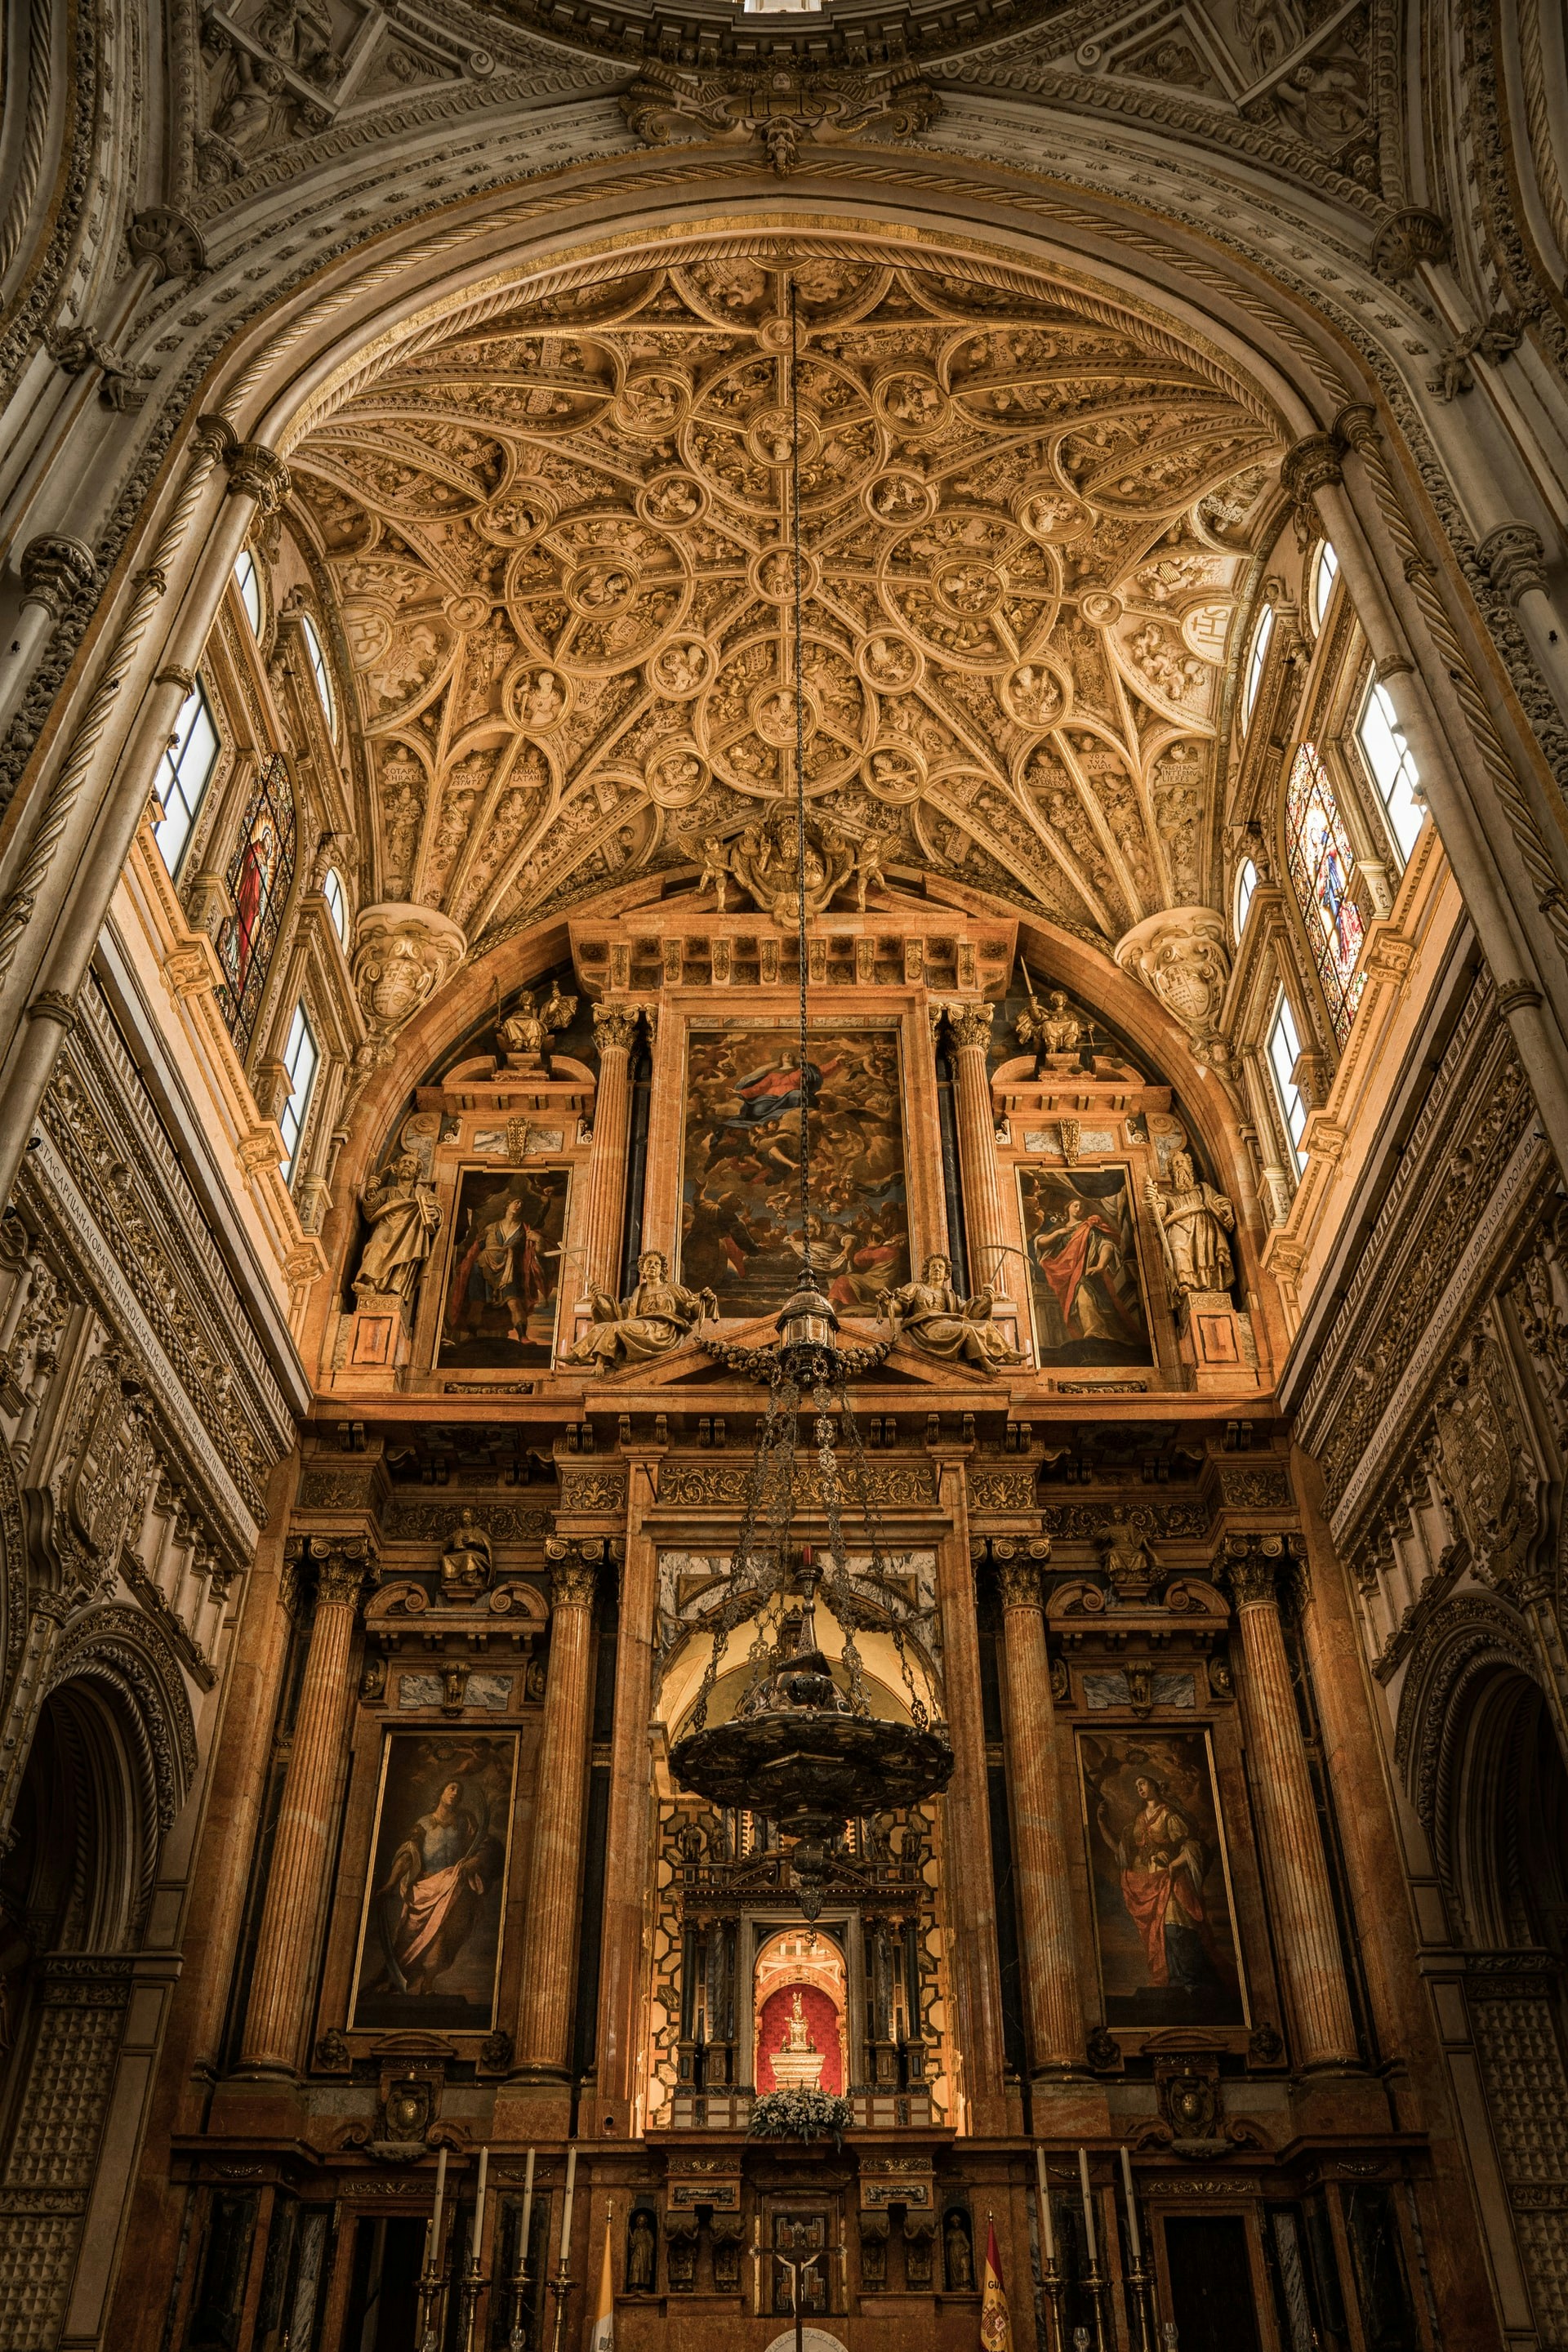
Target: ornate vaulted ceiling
560,544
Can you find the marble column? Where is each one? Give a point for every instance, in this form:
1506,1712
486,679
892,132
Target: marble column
971,1889
615,1033
626,1855
1307,1936
1039,1844
301,1850
969,1025
550,1944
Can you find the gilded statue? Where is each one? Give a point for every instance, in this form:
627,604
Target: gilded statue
527,1029
1053,1028
405,1218
654,1320
468,1563
770,861
931,1315
1193,1221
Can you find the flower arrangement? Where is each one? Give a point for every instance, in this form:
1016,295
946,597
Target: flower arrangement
801,2115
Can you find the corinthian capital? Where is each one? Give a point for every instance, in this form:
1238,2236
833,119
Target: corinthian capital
572,1586
1254,1566
342,1571
970,1025
1018,1581
1313,465
257,472
614,1025
55,571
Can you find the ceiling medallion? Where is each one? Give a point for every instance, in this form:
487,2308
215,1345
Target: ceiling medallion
803,1747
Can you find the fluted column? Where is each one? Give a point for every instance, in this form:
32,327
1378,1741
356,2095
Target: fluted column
966,1828
615,1033
301,1850
1039,1843
626,1855
969,1025
1307,1936
550,1943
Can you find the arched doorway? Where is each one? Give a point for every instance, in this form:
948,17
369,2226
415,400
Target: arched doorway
74,1890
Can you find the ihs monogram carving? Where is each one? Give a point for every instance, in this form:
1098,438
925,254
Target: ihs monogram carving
560,539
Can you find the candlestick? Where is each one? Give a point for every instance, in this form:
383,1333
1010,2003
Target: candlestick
1133,2239
1091,2241
519,2268
473,2273
566,2213
430,2283
1048,2225
440,2196
480,2198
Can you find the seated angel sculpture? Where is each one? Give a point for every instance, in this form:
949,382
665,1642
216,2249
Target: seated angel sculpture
654,1320
931,1315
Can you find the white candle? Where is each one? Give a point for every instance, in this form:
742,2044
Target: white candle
440,2201
1089,2238
479,2205
1134,2238
1048,2230
527,2209
566,2214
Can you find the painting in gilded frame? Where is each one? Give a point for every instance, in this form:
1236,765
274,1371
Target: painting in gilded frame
434,1899
742,1233
1085,1288
1159,1877
502,1289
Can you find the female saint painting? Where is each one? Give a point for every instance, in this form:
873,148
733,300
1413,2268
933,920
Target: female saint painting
505,1278
430,1943
1083,1266
1160,1881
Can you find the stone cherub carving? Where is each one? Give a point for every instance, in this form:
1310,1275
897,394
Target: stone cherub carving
405,1218
528,1027
468,1563
654,1320
931,1316
1193,1221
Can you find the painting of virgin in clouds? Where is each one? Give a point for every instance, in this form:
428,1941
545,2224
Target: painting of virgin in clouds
430,1936
1159,1879
742,1233
1083,1266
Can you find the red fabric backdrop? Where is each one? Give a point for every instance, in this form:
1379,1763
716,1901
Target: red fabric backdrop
823,2018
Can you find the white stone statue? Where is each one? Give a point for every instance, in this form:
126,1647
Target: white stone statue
1194,1221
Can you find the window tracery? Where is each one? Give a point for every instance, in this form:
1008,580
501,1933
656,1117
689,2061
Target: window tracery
1318,853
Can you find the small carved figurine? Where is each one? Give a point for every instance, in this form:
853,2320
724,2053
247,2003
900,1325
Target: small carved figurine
931,1315
1129,1563
526,1031
404,1219
640,2253
1053,1028
468,1563
956,2247
1194,1223
654,1320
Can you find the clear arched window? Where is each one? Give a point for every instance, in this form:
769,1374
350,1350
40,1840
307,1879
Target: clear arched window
319,671
248,580
1246,890
1318,852
259,878
1394,772
184,774
1284,1050
1325,572
1255,661
337,904
301,1058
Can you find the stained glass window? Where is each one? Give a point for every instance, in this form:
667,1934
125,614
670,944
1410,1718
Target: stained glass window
259,875
1318,852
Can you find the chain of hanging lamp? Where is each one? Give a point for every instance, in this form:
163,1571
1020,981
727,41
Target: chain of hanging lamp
799,1747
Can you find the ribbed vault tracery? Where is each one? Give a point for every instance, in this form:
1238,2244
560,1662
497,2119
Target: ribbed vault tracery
560,541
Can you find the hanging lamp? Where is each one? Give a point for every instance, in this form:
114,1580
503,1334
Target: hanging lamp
803,1747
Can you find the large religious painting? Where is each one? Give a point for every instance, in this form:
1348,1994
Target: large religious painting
430,1933
503,1274
1084,1284
799,1991
742,1232
1165,1919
